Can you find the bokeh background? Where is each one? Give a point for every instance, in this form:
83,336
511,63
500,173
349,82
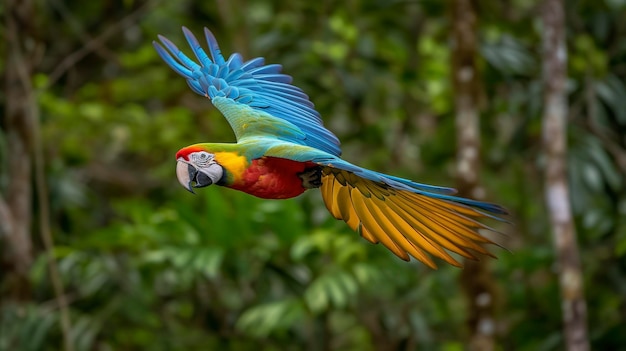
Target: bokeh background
141,264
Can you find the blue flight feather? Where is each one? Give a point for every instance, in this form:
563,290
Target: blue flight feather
251,83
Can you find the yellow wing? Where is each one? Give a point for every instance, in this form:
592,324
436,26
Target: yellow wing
408,224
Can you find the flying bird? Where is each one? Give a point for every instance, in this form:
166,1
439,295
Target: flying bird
283,149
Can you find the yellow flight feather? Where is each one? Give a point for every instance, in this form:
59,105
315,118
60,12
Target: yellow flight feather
406,223
445,222
439,239
397,232
415,235
371,226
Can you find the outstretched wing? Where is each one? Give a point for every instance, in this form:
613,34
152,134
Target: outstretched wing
409,218
256,99
408,221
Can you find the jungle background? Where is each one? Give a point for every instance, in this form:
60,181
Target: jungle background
103,250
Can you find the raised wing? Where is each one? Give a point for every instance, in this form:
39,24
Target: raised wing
256,99
408,221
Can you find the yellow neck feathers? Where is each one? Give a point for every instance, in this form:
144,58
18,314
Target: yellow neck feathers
233,163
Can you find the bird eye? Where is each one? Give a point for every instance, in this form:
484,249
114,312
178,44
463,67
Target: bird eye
202,157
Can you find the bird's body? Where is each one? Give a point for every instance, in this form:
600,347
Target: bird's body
273,178
247,170
283,149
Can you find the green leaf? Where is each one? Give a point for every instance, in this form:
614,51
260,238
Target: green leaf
264,319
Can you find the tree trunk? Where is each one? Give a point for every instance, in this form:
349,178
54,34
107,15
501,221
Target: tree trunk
557,191
16,200
476,278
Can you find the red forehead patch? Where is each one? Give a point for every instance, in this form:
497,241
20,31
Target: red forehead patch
184,152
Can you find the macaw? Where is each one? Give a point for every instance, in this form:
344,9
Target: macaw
283,149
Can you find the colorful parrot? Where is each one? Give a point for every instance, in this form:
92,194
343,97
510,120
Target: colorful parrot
283,149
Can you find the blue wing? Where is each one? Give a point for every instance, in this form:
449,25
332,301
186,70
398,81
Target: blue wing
256,99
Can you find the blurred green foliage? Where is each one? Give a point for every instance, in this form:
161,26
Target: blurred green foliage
148,266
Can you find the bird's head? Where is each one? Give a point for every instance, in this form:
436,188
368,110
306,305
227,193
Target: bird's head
197,168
